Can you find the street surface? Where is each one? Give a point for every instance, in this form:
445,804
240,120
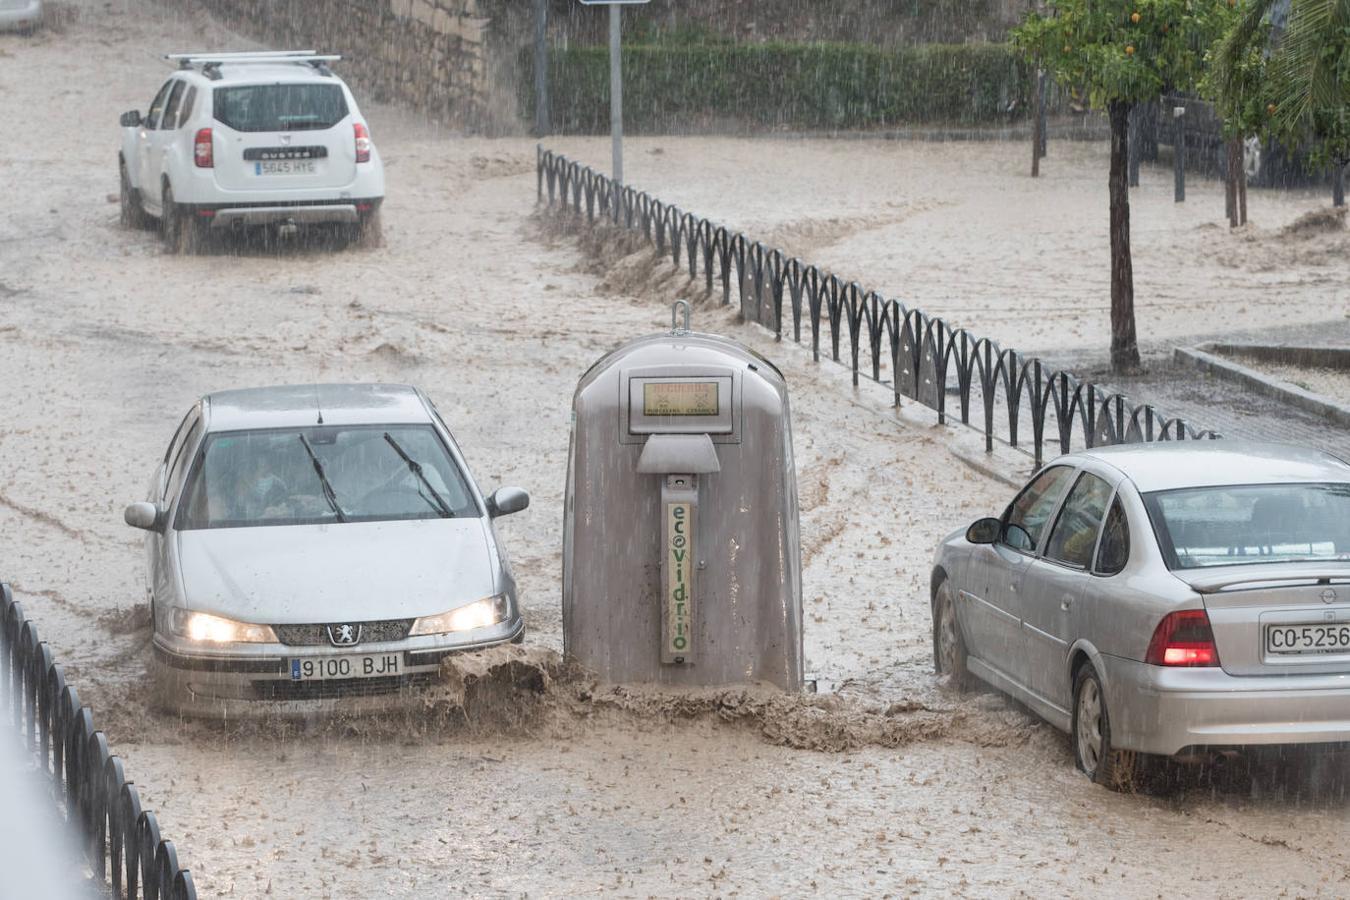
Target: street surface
891,786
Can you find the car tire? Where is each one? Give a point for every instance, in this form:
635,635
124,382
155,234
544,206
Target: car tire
132,214
949,645
181,233
1119,770
368,233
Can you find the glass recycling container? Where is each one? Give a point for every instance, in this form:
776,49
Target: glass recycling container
681,549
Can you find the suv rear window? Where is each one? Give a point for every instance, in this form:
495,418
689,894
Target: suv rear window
279,107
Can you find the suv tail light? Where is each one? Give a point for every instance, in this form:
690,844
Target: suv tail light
362,142
202,154
1183,638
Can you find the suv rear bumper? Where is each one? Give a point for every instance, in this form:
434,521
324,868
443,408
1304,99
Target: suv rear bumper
255,214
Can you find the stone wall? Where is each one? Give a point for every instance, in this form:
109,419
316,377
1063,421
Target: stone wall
429,55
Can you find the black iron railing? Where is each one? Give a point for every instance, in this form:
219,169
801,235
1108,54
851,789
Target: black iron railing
121,841
920,357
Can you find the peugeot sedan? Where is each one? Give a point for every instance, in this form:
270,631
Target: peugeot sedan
316,547
1160,600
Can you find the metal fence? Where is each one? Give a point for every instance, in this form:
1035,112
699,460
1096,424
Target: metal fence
121,841
918,356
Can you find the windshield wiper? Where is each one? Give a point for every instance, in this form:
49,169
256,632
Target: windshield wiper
328,493
416,468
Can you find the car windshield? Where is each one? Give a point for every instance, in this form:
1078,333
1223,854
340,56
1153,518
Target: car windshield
268,477
279,107
1224,526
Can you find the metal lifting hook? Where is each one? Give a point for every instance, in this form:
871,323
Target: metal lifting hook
674,310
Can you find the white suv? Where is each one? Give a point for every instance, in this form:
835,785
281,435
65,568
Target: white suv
234,140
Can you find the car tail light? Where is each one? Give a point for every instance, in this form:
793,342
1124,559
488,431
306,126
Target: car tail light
362,142
202,154
1183,638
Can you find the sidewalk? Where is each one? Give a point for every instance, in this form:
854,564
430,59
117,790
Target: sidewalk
1228,408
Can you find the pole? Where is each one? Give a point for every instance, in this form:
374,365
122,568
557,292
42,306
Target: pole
1338,186
541,110
1179,154
1036,126
616,103
1042,92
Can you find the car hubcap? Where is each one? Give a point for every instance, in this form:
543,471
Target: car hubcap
1090,725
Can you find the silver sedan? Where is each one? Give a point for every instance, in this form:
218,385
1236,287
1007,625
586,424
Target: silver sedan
1158,600
318,546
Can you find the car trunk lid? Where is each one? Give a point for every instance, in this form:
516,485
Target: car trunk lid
283,137
1281,618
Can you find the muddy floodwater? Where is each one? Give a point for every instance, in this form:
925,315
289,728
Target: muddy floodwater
520,777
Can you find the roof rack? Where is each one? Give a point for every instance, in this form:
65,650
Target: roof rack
210,62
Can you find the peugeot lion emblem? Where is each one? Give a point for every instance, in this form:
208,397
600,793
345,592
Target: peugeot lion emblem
344,635
1329,595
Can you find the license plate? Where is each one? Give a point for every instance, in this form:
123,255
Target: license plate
286,167
1323,637
325,668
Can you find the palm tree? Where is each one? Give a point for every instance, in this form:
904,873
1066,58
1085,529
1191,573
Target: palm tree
1308,88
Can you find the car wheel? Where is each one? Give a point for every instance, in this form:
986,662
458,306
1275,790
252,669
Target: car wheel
181,233
368,233
949,645
132,213
1118,770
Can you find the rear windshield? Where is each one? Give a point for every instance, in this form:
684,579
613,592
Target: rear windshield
279,107
1259,523
356,474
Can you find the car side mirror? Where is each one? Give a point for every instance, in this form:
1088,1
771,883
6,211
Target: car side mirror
130,119
143,515
984,531
507,500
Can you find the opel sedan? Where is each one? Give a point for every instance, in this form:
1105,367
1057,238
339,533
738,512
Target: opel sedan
1161,600
318,547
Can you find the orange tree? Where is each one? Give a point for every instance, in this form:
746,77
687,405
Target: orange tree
1123,53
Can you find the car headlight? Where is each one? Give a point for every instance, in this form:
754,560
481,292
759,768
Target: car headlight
209,629
488,611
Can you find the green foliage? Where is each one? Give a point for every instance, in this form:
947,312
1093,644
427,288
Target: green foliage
1237,82
1310,79
1295,87
678,87
1126,50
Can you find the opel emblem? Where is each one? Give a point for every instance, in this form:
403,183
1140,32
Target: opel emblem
1329,595
344,635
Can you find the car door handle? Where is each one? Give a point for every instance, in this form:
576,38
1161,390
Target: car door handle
1065,602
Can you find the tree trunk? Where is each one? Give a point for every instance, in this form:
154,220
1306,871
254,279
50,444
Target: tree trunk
1338,185
1230,183
1124,343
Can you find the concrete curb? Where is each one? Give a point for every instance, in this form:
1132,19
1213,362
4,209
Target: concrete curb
1286,354
1263,384
984,468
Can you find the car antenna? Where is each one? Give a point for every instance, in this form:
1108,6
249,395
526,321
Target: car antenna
316,404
